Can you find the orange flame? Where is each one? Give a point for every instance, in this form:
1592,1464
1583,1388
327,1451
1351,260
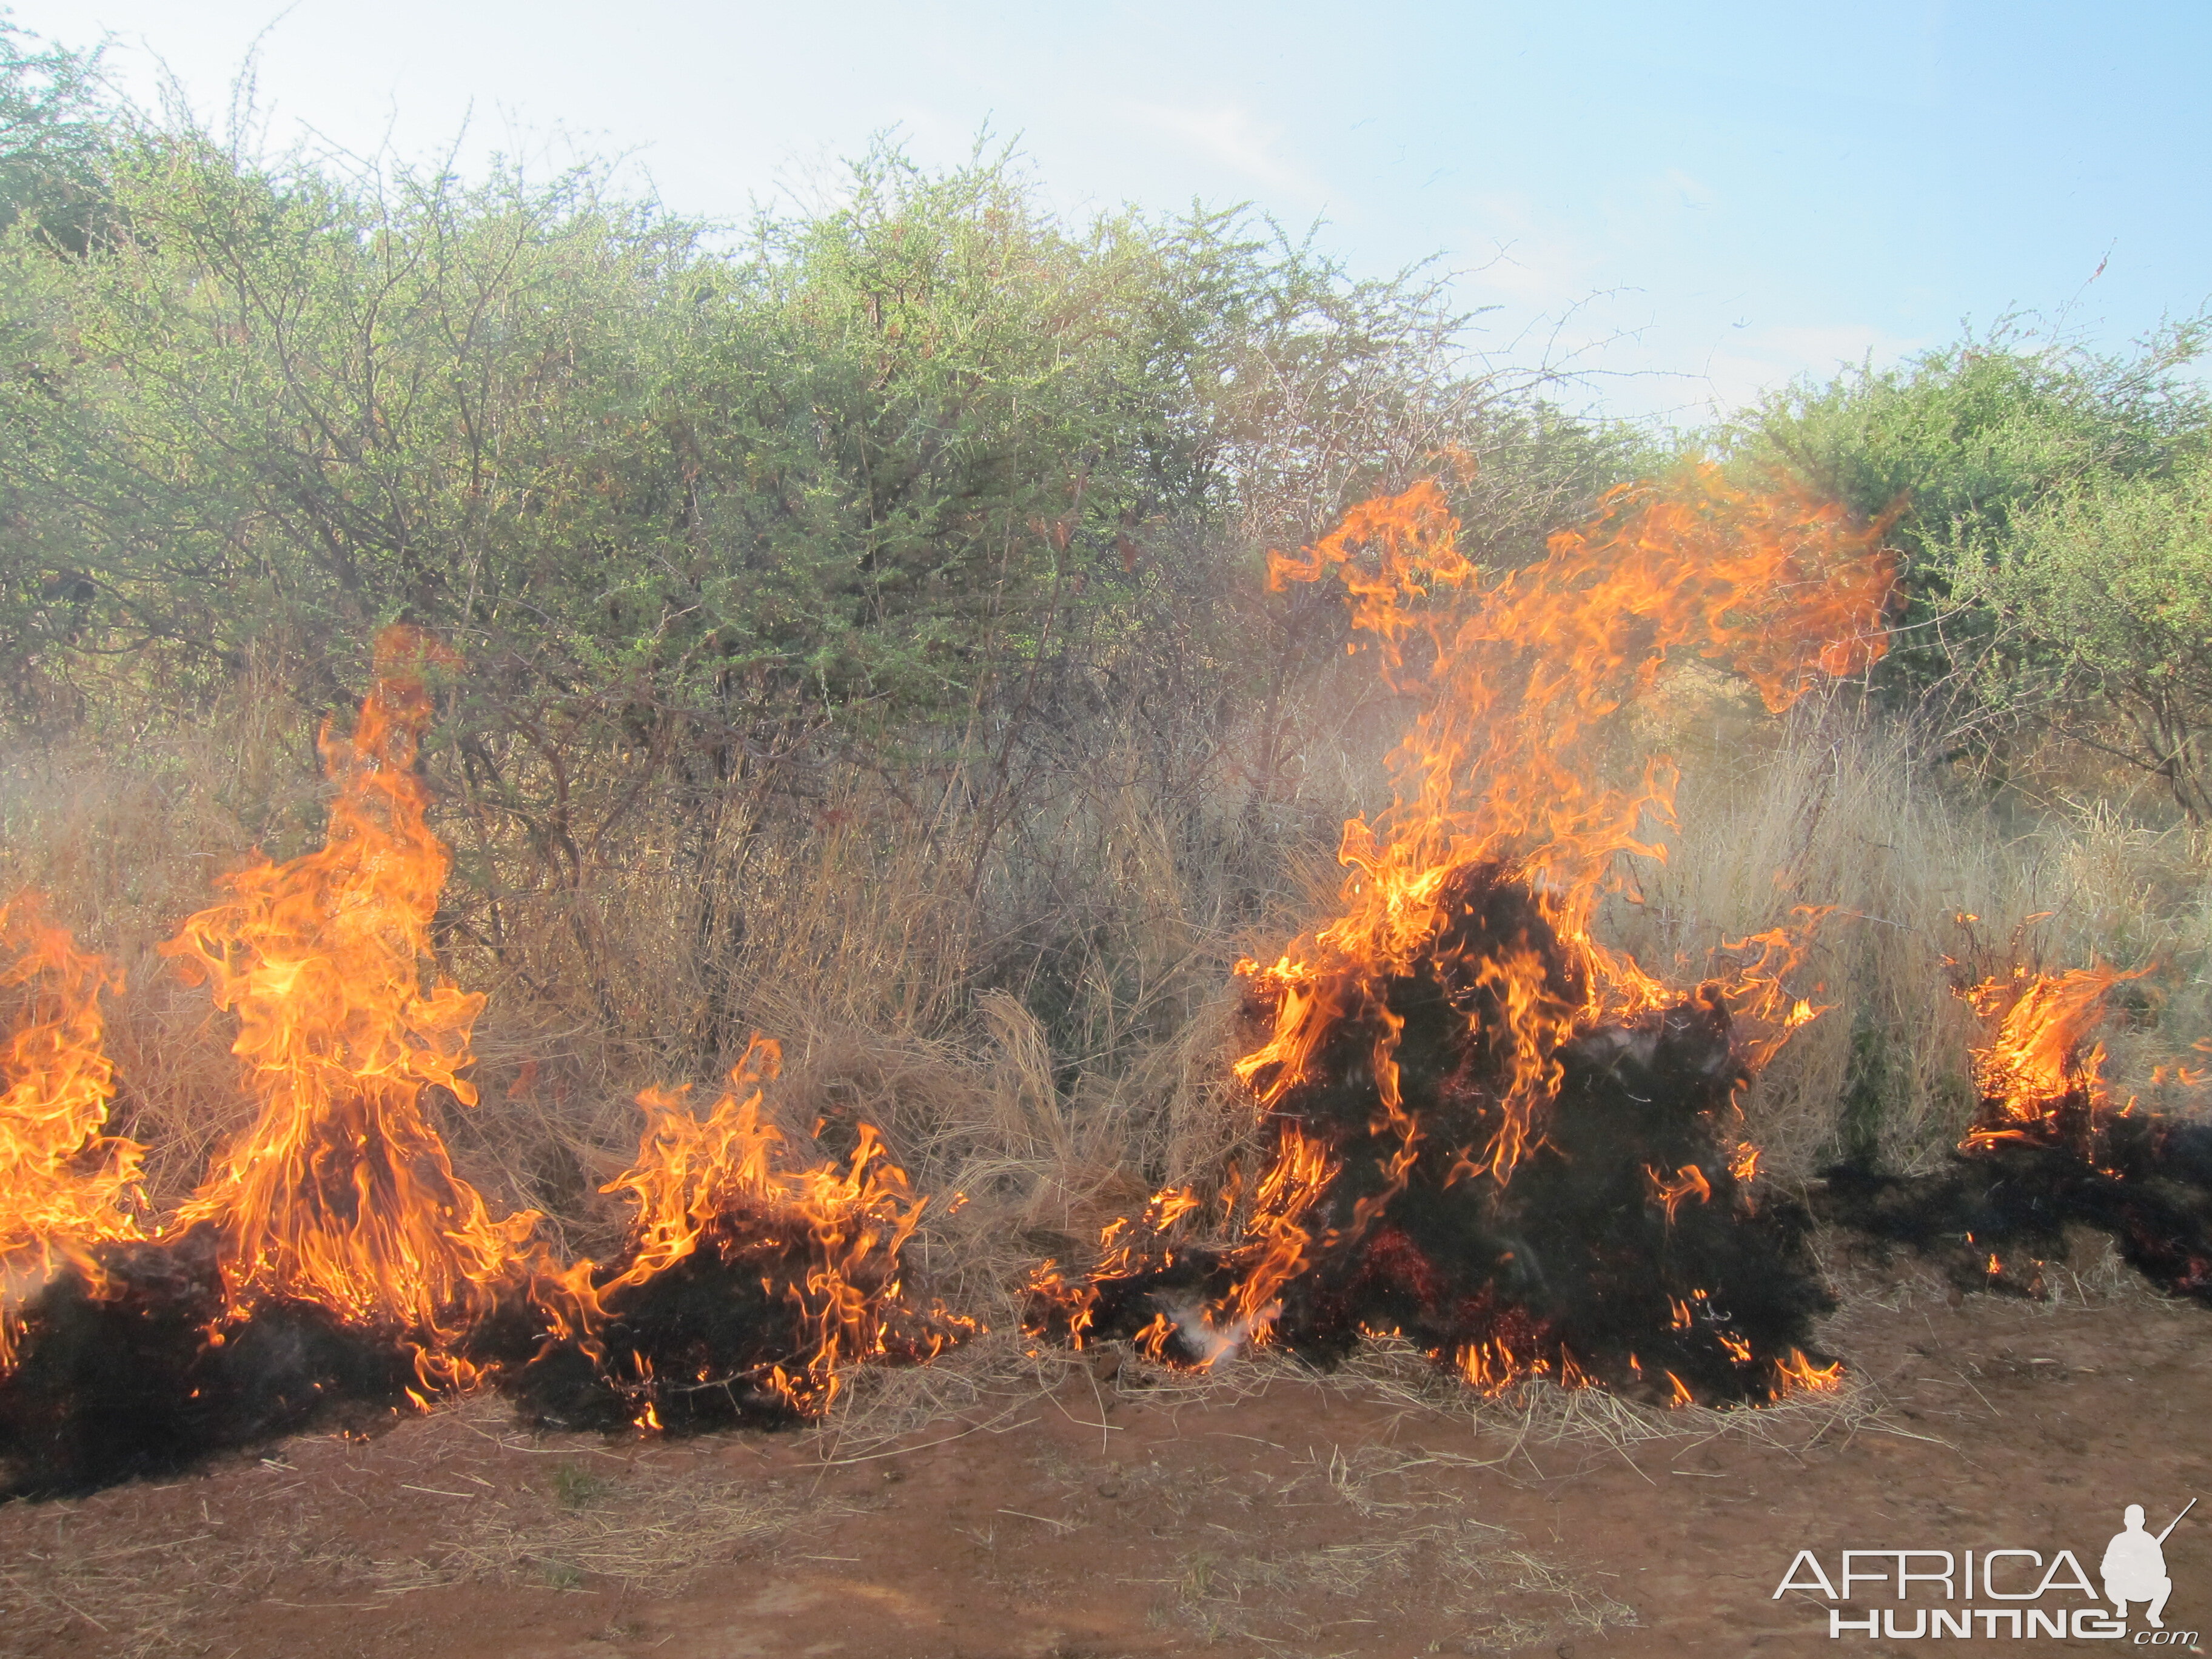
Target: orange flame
693,1174
1669,1191
1518,680
64,1185
342,1192
1799,1374
1277,1244
2040,1075
1501,766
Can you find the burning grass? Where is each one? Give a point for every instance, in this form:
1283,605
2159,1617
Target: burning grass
2052,1151
1466,1117
65,1184
1489,1131
1629,1246
333,1254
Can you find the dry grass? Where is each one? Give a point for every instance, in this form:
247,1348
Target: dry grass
650,1531
555,1517
1304,1553
1875,1284
1039,1017
1531,1429
1397,1535
1932,885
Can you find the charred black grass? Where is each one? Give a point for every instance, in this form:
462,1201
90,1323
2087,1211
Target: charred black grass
147,1375
1576,1261
703,1343
1993,1218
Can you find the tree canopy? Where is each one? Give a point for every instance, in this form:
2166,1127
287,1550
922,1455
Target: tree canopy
2046,502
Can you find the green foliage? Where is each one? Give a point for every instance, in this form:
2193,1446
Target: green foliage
2114,574
1966,435
54,141
869,466
1958,440
1968,448
928,479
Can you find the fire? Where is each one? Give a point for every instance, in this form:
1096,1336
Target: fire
1501,764
1805,1377
2049,1152
834,1235
2040,1076
342,1193
1429,1037
1669,1191
333,1248
65,1185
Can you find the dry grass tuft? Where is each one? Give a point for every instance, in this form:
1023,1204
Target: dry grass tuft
647,1528
1931,886
1530,1426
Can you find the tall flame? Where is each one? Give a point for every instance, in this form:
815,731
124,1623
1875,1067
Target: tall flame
342,1193
1415,1049
336,1228
65,1185
1518,683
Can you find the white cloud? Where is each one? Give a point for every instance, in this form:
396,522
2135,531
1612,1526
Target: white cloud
1231,136
1679,189
1760,360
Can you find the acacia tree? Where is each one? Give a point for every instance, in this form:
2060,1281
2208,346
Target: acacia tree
927,481
875,469
54,141
1963,445
2114,576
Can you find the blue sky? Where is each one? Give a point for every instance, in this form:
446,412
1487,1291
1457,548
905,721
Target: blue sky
1695,201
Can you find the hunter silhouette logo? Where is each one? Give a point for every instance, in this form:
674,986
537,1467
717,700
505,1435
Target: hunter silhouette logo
2025,1594
2135,1566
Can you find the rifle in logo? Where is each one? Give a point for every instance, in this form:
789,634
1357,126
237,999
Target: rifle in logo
2134,1567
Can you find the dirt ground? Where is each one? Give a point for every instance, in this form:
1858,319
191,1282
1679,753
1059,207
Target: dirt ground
1080,1510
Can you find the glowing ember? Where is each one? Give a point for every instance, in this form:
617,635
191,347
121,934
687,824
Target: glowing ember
1491,1132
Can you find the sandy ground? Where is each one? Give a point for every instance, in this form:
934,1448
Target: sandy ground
1111,1514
